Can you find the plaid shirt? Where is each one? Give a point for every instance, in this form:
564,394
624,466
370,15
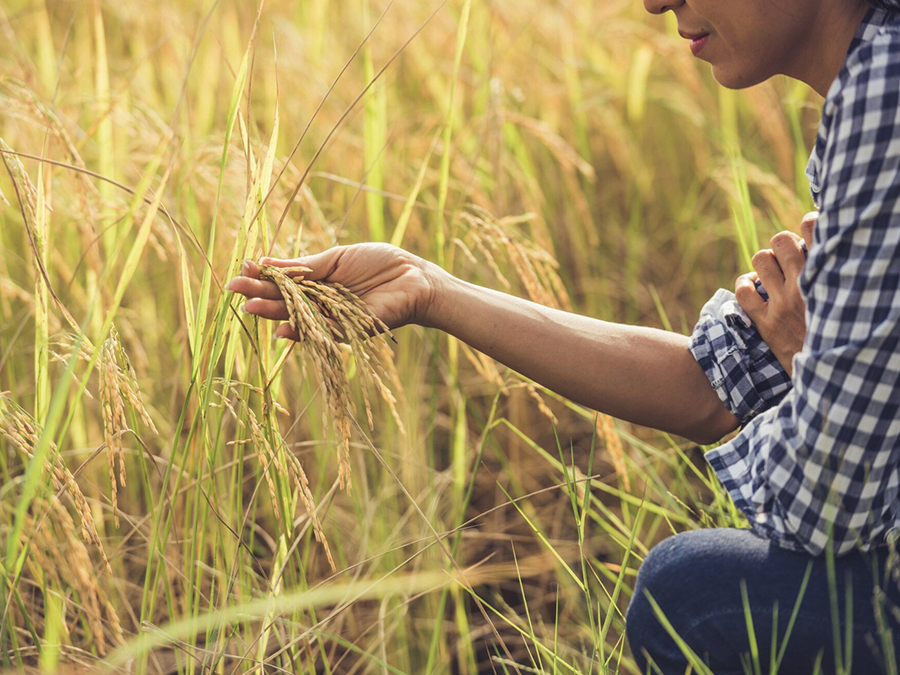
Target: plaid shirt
818,459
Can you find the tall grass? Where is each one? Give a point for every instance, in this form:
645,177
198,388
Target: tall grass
572,152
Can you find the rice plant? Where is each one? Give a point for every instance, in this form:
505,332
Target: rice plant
170,475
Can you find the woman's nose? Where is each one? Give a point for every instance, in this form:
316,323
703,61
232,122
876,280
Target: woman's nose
661,6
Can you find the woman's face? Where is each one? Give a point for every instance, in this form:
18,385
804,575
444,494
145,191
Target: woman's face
748,41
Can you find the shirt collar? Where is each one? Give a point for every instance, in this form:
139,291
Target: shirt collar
868,29
872,22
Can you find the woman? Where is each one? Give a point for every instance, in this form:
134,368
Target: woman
815,467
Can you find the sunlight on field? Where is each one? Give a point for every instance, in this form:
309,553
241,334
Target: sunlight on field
151,512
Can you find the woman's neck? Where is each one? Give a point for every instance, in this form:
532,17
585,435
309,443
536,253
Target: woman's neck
831,32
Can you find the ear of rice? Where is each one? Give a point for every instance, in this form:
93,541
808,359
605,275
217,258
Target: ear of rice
506,239
276,459
324,315
607,431
23,432
118,386
59,554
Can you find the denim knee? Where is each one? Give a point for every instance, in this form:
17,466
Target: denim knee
646,635
708,582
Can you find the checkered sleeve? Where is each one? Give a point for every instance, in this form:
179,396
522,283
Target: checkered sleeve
740,366
821,468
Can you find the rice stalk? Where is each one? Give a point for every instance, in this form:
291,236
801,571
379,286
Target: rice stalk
30,203
23,432
607,431
64,558
118,385
486,368
278,459
25,189
505,238
544,409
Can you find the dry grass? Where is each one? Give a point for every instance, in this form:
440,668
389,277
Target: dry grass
542,161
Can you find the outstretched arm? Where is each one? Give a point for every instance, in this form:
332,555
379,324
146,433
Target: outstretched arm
642,375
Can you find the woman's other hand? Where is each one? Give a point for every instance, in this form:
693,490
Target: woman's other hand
398,287
781,320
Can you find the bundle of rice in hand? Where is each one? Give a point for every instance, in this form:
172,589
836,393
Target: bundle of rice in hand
329,319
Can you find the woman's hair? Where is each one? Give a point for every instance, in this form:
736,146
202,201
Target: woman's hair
890,5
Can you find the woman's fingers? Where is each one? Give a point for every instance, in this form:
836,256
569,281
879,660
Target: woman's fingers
807,225
275,310
787,248
253,288
320,265
748,297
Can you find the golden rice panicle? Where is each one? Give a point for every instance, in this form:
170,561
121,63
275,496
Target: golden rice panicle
65,559
323,315
486,367
23,432
273,459
128,383
69,346
261,448
306,496
113,421
541,404
118,385
365,334
606,431
505,238
25,189
384,368
267,459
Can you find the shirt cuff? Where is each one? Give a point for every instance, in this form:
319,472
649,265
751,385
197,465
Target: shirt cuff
740,366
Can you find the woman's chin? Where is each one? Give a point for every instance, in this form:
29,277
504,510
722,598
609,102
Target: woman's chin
731,78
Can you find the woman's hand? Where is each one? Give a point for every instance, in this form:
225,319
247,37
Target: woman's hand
398,287
782,320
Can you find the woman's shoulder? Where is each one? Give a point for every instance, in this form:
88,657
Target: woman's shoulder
872,66
877,47
861,115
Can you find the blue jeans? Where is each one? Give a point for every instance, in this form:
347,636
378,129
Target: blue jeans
696,579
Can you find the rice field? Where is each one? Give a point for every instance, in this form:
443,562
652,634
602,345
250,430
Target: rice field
181,492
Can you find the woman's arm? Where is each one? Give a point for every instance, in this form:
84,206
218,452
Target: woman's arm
642,375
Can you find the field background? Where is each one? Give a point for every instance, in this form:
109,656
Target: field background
573,152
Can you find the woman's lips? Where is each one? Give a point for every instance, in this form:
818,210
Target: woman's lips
697,44
698,41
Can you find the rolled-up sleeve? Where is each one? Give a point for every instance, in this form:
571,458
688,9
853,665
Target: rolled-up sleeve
739,364
820,469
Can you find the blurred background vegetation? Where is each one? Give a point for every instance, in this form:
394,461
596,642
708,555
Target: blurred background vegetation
572,152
